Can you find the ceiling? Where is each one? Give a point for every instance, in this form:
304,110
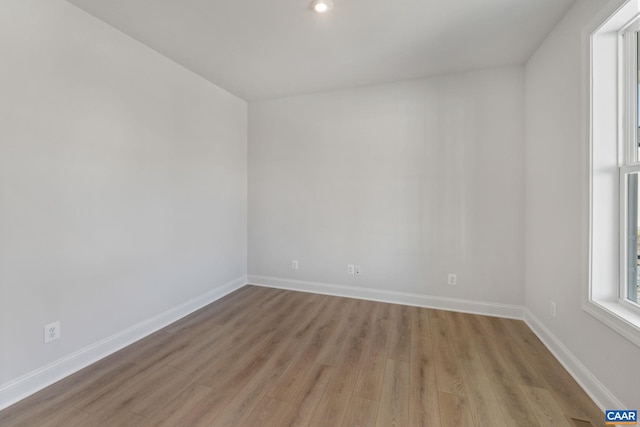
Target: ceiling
260,49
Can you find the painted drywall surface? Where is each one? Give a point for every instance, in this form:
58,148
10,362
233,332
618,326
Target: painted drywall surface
122,183
557,206
410,180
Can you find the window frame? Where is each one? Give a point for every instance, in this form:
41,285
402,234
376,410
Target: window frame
629,152
606,116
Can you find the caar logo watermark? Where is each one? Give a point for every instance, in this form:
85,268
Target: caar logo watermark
621,417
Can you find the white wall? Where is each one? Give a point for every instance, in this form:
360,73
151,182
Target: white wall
557,209
123,188
122,183
410,180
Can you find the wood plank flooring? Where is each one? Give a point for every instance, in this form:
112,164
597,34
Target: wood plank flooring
268,357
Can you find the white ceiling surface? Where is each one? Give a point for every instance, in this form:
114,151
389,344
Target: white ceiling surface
260,49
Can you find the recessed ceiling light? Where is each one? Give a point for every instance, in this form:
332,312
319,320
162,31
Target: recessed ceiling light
321,6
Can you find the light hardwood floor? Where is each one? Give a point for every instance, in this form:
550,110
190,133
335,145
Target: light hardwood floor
268,357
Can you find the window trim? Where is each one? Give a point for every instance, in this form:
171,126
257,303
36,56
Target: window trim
605,128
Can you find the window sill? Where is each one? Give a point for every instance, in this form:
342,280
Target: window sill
624,320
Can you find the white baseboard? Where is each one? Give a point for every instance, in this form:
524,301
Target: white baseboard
34,381
418,300
589,383
24,386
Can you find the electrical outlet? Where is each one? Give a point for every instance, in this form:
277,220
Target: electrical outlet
51,332
294,264
552,309
358,270
351,269
452,279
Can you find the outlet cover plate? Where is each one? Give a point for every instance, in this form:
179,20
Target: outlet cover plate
452,279
51,332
